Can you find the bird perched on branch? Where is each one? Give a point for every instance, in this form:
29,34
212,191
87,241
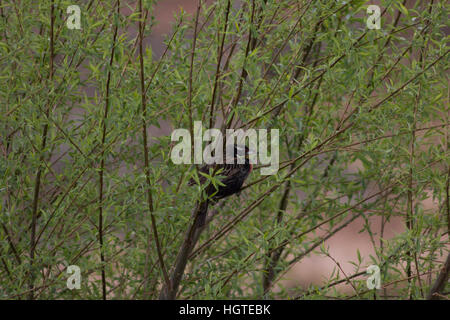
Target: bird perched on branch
234,174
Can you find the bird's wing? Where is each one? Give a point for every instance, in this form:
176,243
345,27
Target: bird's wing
229,173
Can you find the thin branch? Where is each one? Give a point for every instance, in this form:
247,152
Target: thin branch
219,59
102,161
145,150
37,183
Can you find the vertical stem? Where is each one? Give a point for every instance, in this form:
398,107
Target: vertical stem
446,145
191,129
219,59
410,210
102,162
274,256
170,290
447,202
37,183
145,149
244,73
410,204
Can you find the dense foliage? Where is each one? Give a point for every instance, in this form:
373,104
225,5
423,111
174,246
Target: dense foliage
86,117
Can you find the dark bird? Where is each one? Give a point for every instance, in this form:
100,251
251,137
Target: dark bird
233,177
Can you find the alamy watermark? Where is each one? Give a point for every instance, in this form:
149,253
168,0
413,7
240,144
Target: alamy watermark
74,281
374,281
374,19
74,18
213,152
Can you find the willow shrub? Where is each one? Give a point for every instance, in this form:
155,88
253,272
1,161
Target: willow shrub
77,188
